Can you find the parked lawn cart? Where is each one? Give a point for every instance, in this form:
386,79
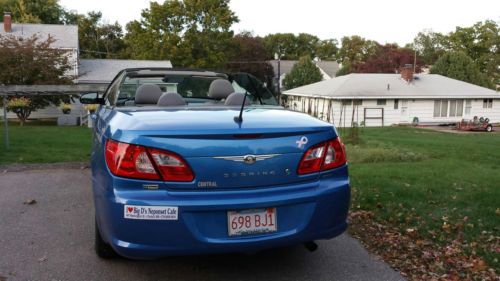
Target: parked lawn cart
477,124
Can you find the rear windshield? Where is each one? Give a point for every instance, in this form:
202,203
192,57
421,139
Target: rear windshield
193,88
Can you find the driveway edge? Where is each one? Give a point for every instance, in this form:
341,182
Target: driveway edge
44,166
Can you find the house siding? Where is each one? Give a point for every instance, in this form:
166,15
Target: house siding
51,112
342,116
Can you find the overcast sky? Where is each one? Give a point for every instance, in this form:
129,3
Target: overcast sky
385,21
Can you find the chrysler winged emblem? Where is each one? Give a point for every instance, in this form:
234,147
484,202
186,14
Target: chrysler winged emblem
247,159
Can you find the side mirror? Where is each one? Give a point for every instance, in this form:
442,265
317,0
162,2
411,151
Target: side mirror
91,98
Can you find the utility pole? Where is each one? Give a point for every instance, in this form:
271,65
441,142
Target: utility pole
279,76
415,62
6,124
277,56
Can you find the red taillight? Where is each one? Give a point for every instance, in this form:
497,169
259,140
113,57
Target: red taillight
133,161
322,157
172,167
312,159
335,155
130,161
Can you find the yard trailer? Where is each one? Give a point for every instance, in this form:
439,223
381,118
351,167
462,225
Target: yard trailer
476,124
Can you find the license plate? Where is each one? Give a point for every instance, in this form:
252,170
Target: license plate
247,222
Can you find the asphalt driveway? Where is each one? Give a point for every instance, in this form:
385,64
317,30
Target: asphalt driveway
53,240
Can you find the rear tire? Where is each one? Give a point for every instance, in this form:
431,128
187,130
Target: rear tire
489,128
102,249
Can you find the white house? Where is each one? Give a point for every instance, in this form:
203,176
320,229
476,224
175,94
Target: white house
66,36
388,99
102,71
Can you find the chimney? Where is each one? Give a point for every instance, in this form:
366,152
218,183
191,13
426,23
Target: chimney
7,22
407,72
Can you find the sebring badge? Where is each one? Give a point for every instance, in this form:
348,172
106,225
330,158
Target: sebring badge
247,159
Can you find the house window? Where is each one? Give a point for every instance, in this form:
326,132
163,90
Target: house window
381,102
460,108
453,107
440,108
396,104
488,103
444,108
468,107
456,108
352,102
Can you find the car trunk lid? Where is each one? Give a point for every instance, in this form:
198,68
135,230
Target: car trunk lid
264,150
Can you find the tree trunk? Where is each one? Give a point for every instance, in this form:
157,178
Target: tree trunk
22,115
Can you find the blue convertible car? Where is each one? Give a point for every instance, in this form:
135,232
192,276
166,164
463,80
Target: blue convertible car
193,162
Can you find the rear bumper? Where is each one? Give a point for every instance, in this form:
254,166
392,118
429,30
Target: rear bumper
305,212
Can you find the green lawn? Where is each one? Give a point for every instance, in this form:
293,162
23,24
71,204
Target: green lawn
45,143
442,185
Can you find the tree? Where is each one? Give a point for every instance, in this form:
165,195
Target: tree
389,59
356,49
32,61
458,65
327,49
306,45
99,40
481,42
35,11
304,72
283,44
250,56
430,45
293,47
344,70
190,33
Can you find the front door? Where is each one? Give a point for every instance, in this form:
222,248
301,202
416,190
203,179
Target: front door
404,111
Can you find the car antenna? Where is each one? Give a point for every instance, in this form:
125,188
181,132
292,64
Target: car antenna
239,119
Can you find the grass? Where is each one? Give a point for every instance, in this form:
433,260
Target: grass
440,184
42,142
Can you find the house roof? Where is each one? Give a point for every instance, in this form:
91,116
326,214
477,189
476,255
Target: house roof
329,67
66,35
285,66
373,86
102,71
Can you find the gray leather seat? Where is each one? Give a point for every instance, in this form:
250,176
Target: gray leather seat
220,89
130,103
237,99
148,94
171,99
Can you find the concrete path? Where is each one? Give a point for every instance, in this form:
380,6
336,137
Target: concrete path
53,240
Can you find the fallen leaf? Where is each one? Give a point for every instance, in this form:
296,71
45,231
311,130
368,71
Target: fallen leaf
479,265
30,202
